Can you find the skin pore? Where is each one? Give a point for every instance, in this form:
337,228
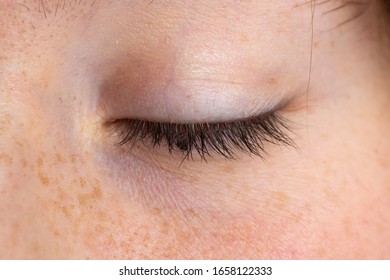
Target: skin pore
68,68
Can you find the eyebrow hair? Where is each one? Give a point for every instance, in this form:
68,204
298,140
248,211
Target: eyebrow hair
52,8
360,8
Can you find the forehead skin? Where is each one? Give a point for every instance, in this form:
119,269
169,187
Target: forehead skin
65,193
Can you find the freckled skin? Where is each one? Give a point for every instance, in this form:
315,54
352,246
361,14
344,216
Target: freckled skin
66,192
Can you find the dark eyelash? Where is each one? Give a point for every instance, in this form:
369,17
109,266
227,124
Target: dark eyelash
247,135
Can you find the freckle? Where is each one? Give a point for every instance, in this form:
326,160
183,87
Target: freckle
323,136
7,119
244,38
35,247
192,213
73,158
296,217
156,210
330,195
65,211
321,253
228,169
347,227
82,183
15,226
384,162
97,182
165,228
99,229
281,199
20,144
39,162
101,214
59,159
6,158
44,179
83,199
96,193
61,193
272,81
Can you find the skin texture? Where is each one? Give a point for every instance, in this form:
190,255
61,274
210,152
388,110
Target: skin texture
67,68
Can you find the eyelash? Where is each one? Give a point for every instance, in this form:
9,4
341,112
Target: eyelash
225,139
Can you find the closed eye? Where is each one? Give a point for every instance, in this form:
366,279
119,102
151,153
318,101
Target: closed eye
226,139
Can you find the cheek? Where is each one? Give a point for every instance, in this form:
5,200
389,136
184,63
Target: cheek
347,166
59,204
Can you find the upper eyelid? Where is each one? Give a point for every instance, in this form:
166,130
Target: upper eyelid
222,105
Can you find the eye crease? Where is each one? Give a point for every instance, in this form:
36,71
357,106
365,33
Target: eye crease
226,139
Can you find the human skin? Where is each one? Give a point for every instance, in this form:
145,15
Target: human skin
67,192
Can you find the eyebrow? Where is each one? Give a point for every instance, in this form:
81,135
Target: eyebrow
53,8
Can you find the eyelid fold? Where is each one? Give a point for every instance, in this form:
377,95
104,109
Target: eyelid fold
167,93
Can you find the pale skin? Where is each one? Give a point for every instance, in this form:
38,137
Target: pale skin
66,191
